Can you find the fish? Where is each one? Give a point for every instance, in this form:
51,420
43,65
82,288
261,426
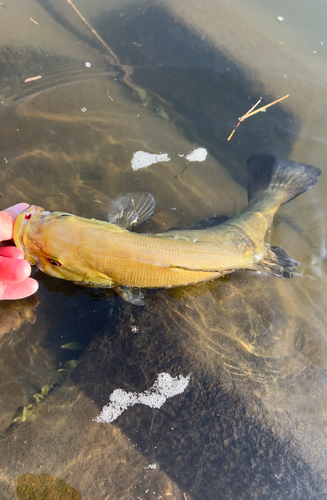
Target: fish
108,254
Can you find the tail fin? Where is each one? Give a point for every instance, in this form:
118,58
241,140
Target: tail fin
287,179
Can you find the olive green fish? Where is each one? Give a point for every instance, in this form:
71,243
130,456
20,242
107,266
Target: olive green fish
106,254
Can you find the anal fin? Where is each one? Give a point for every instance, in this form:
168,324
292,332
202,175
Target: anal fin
277,263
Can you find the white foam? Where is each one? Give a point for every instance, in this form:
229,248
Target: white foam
141,159
164,387
198,154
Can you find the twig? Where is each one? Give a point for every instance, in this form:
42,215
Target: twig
32,79
265,107
114,60
112,54
251,112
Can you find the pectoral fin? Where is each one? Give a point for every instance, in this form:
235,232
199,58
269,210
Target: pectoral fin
132,295
132,209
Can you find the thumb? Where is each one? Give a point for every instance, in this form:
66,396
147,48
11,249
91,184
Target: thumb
7,219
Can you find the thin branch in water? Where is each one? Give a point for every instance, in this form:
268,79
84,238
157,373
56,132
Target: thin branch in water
115,60
251,112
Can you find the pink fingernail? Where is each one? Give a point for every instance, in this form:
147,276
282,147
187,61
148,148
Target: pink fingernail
18,208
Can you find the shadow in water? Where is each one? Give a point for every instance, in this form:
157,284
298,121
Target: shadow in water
232,433
207,90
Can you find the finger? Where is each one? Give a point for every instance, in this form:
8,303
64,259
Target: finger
7,219
14,270
11,252
6,226
15,210
14,291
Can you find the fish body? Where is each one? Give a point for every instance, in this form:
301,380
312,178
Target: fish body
105,254
98,253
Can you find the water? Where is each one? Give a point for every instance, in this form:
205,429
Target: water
250,422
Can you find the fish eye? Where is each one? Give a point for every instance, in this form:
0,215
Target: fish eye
28,216
54,262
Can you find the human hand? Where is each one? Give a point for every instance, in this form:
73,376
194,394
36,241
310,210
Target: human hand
14,269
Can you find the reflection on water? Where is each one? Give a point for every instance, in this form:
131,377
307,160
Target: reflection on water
251,421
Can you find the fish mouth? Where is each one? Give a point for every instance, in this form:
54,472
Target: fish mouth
21,230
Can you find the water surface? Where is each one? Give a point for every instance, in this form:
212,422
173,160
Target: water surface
250,422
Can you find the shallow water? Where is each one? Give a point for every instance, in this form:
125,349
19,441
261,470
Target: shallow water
222,386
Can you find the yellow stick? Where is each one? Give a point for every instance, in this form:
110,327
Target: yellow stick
251,112
263,108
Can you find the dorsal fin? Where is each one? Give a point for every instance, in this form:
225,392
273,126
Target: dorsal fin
132,209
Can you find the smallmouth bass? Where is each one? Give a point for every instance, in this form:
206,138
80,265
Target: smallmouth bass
106,254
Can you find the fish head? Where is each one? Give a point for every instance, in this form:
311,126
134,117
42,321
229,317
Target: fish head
49,241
